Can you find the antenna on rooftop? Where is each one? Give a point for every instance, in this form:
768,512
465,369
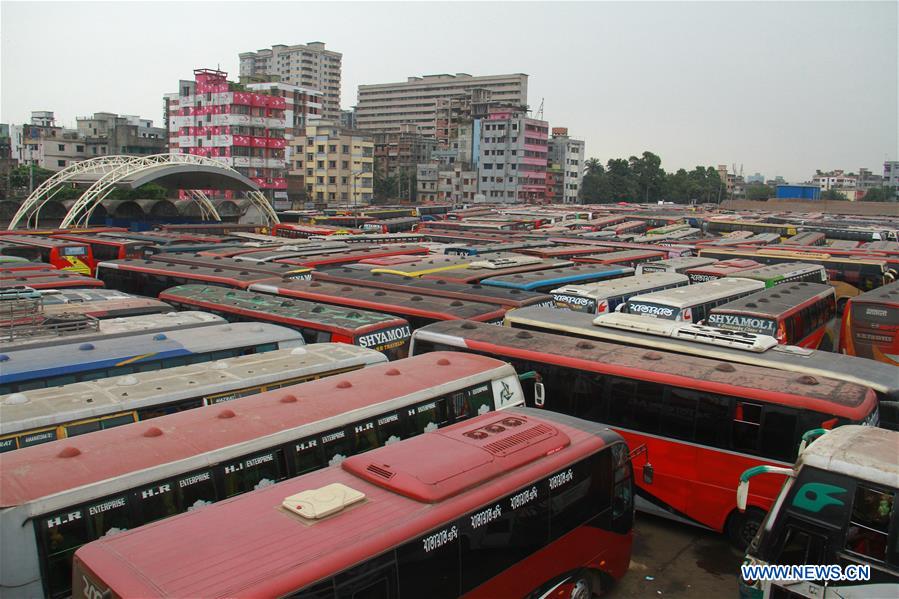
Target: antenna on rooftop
540,110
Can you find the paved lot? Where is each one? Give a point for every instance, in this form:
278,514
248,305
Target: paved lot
680,560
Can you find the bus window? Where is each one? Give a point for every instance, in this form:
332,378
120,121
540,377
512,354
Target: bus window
869,523
427,417
252,473
307,456
110,516
117,421
746,424
390,428
801,546
779,434
366,437
373,579
458,406
480,399
429,565
337,446
61,535
156,502
711,411
678,413
82,428
196,490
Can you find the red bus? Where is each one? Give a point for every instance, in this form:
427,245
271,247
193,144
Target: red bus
272,269
721,269
319,323
150,278
551,517
798,313
296,231
279,252
64,255
630,227
392,225
46,279
466,237
629,258
16,265
563,251
418,310
107,248
218,228
388,261
703,422
497,265
870,326
362,255
510,298
14,251
807,238
91,303
126,476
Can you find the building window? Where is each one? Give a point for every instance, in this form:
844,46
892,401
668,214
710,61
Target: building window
332,180
345,149
60,163
62,147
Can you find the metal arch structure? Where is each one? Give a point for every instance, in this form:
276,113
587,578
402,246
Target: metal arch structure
31,207
108,172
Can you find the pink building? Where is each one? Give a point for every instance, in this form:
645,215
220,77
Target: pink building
512,156
216,118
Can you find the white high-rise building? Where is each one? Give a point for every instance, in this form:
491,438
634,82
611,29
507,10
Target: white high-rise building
569,154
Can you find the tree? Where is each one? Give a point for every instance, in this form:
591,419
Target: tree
880,194
594,179
19,176
759,191
832,194
620,185
385,187
593,167
648,177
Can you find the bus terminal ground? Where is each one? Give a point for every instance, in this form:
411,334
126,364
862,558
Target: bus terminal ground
673,560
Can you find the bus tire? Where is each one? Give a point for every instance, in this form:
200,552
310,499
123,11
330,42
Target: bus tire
582,587
741,528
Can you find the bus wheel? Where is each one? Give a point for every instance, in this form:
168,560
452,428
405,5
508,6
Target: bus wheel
741,528
582,587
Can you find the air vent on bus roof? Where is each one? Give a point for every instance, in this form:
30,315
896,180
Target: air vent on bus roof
316,504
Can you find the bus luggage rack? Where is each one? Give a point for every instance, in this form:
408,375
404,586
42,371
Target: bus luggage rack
687,332
22,315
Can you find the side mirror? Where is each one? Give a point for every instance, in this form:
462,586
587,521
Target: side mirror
539,395
648,473
620,307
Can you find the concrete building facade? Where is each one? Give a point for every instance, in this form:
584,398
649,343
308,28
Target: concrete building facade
216,118
569,154
333,166
402,151
442,184
110,133
308,66
891,175
387,106
513,156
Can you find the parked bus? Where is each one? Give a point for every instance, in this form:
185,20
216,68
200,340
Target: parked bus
340,220
671,251
510,298
562,252
807,238
496,248
724,226
145,276
849,275
239,263
102,308
668,229
691,303
319,323
42,415
392,225
217,228
838,506
551,518
87,328
436,210
629,258
14,263
719,269
495,266
795,314
786,272
703,423
47,279
543,281
630,227
853,233
108,248
427,266
14,251
62,254
131,475
717,344
417,309
294,231
410,252
606,296
65,363
674,265
870,326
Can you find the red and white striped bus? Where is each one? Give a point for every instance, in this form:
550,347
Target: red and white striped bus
519,504
60,495
703,422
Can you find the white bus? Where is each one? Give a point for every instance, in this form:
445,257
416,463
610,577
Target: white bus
674,265
693,302
605,296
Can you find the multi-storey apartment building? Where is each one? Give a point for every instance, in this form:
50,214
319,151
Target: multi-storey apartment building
110,133
387,106
402,151
333,164
446,184
213,117
513,156
891,175
309,66
568,153
835,180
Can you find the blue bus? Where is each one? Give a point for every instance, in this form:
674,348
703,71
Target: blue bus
544,281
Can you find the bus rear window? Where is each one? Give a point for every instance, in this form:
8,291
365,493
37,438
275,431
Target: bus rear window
878,314
74,250
656,310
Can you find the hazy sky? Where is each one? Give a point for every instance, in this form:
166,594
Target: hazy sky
781,88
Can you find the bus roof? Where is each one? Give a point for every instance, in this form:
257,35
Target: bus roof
38,408
760,254
776,301
863,452
98,239
355,255
229,263
406,304
113,327
514,298
263,306
698,293
429,265
28,364
824,394
886,294
285,552
659,334
532,280
681,262
564,251
619,256
232,278
779,271
497,265
53,280
624,285
38,241
251,420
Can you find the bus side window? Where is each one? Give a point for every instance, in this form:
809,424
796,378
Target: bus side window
427,416
779,438
711,411
869,523
196,490
373,579
429,565
480,399
307,456
61,534
458,406
746,424
82,428
322,590
252,472
110,516
155,502
390,427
